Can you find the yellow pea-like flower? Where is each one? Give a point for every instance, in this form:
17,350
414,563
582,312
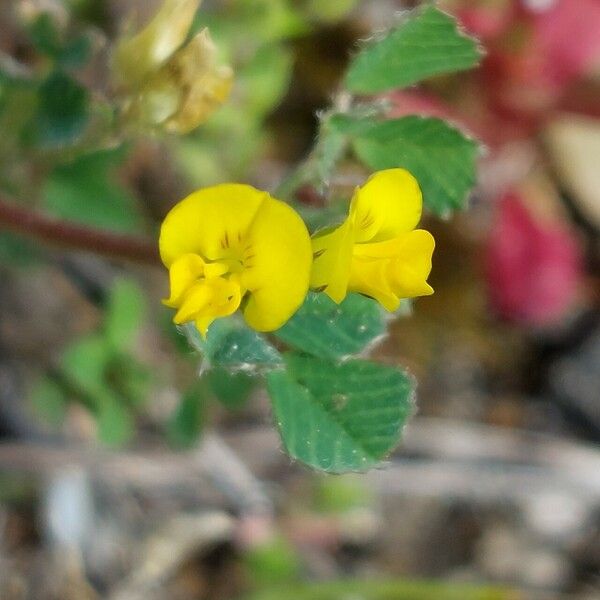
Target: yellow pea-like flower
377,251
232,246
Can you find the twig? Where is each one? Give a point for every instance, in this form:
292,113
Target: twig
467,460
168,549
213,462
77,237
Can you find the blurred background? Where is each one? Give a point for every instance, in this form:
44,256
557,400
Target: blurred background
124,476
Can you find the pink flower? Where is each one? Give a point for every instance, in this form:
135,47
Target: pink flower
534,267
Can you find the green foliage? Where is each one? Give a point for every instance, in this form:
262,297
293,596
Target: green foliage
85,362
17,251
125,312
265,79
272,563
386,590
99,370
336,495
339,417
425,44
330,12
265,20
187,421
49,401
47,39
441,157
114,421
324,329
231,389
251,35
231,343
44,35
87,191
62,113
334,412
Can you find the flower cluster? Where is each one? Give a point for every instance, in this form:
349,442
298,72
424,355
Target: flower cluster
231,247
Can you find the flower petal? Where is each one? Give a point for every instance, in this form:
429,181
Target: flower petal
276,265
387,205
212,222
182,274
332,256
371,278
411,270
394,269
210,298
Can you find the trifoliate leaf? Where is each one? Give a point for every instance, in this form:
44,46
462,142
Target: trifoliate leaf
323,328
427,43
441,157
232,344
339,417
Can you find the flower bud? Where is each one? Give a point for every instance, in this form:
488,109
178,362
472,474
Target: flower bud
204,84
166,83
139,55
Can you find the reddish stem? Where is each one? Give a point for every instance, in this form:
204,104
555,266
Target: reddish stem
77,237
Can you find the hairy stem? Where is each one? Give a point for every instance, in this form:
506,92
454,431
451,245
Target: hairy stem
76,237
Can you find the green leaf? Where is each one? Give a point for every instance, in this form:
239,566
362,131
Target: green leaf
87,191
114,422
186,422
49,401
44,35
130,379
323,328
231,343
62,113
85,362
339,417
425,44
441,157
125,312
75,53
47,39
232,390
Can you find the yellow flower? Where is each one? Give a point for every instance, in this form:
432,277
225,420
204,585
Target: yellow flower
165,81
232,246
377,251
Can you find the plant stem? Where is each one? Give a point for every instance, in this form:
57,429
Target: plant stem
77,237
